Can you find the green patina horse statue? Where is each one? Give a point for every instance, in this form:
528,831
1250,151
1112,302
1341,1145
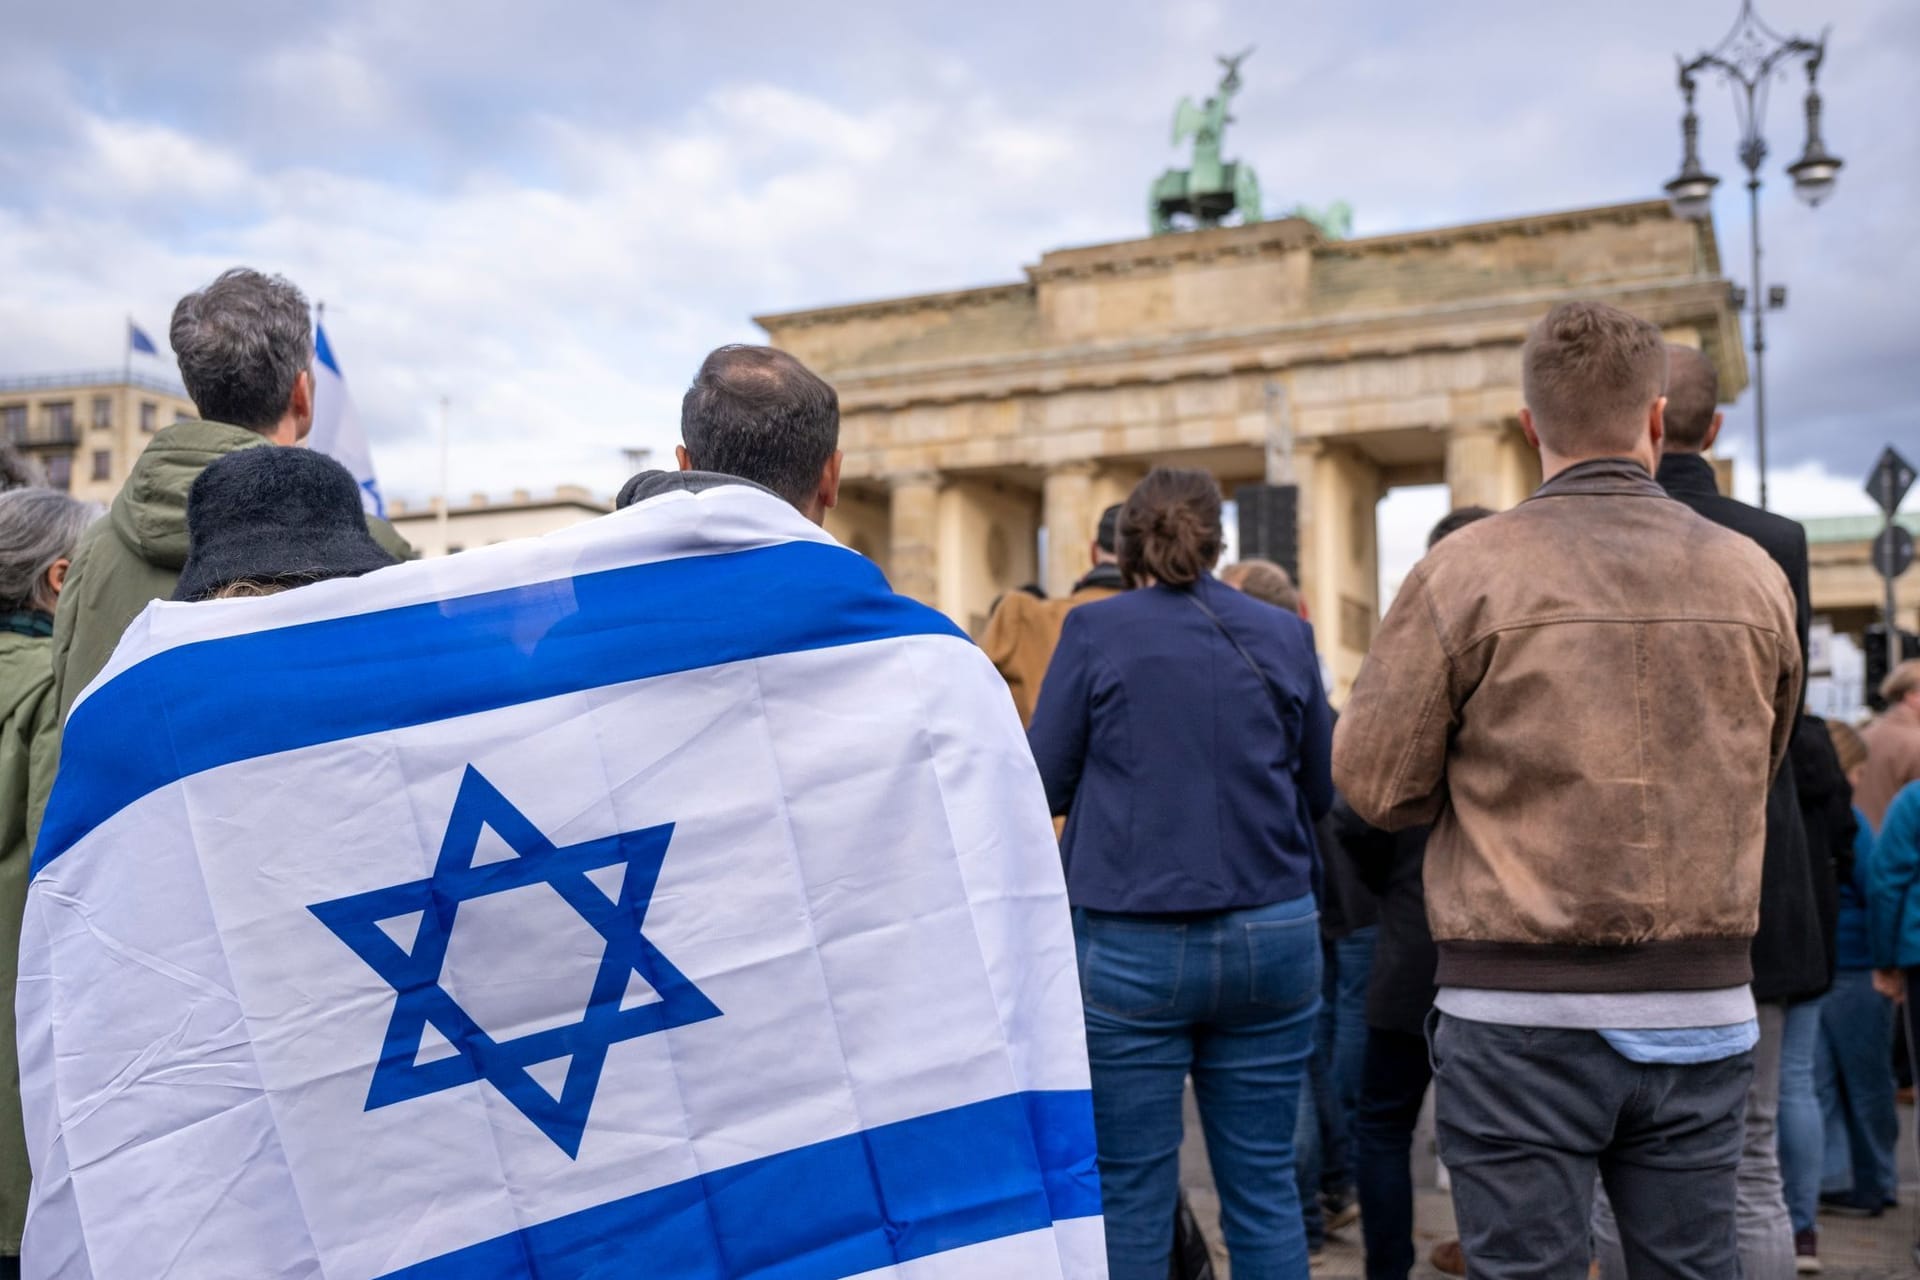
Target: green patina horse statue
1210,188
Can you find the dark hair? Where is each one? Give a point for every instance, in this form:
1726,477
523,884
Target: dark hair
1107,536
1170,527
1693,395
1590,373
759,414
242,342
1454,521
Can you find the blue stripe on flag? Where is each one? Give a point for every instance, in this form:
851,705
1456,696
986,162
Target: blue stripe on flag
323,350
215,702
901,1191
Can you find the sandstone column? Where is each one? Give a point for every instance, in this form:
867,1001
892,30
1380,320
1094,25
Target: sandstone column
1339,557
1070,516
1490,464
913,559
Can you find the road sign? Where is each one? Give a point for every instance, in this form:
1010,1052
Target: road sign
1892,551
1892,477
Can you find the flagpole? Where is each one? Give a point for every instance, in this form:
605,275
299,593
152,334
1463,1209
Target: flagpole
442,522
126,342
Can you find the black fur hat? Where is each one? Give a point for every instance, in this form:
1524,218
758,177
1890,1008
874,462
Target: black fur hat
274,515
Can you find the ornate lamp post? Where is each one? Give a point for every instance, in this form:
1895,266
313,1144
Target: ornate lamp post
1749,60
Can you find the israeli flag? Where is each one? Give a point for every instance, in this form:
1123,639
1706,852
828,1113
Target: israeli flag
665,897
336,426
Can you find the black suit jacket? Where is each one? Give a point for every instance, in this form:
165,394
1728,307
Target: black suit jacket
1688,478
1790,951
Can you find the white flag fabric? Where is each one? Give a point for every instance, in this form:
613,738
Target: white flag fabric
336,426
663,897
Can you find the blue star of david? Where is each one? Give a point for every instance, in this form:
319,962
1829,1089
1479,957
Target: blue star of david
415,973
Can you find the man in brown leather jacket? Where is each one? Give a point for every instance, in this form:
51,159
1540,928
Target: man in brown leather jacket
1587,696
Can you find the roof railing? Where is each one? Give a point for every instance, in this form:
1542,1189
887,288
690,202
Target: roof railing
85,379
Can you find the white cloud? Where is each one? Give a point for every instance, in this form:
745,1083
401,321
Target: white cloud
552,222
561,319
137,160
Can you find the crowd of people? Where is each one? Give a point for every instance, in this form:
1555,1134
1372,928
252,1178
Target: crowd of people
1589,867
1573,856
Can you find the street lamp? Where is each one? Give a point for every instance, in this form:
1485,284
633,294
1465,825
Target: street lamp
1749,60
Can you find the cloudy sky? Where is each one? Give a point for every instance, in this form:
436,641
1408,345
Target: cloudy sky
549,212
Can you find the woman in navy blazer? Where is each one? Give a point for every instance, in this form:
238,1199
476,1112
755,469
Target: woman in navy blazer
1183,731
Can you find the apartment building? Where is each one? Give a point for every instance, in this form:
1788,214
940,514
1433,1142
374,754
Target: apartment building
85,429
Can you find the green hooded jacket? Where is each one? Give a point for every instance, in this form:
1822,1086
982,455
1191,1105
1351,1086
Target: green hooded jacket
29,742
134,556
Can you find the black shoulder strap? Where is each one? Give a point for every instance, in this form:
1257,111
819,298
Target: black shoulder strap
1266,683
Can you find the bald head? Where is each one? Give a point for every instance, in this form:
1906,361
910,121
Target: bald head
1693,400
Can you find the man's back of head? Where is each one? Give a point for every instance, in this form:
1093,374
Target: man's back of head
245,347
1693,400
759,414
1264,581
1593,378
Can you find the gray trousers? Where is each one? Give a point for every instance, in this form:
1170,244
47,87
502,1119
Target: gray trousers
1529,1117
1764,1231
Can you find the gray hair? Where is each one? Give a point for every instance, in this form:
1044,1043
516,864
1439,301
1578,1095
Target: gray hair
241,342
37,528
17,470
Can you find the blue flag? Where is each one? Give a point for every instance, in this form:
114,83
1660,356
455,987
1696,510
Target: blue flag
137,340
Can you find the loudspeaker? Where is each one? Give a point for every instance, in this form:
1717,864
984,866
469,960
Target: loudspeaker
1270,524
1875,644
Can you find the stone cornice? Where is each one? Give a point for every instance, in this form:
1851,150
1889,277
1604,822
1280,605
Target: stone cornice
1282,235
1537,224
1161,253
1310,339
950,300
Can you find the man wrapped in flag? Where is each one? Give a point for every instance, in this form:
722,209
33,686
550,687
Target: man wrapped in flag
664,897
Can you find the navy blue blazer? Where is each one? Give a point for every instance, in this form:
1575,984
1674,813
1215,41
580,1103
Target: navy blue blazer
1186,785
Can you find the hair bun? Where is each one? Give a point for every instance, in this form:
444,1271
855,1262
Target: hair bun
1170,527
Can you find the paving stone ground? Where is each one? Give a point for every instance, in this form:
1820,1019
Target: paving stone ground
1850,1249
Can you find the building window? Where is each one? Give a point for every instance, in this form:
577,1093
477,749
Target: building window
58,418
60,471
149,414
102,464
13,421
102,412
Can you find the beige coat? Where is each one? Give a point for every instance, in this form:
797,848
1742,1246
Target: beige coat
1022,635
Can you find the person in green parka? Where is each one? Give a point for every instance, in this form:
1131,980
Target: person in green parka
39,529
245,348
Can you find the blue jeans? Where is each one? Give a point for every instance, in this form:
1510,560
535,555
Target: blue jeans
1855,1083
1323,1138
1230,999
1802,1137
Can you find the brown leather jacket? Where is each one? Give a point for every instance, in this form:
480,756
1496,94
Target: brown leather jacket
1588,697
1893,760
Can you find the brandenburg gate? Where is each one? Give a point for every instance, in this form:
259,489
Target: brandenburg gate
973,421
